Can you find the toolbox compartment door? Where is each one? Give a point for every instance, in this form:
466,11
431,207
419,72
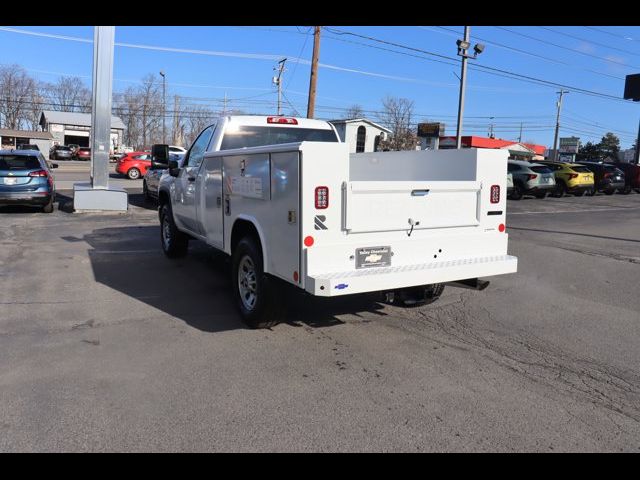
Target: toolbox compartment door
380,206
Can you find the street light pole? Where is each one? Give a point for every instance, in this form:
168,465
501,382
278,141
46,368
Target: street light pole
463,46
463,83
164,106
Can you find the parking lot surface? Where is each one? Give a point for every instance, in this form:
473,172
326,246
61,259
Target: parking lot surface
106,345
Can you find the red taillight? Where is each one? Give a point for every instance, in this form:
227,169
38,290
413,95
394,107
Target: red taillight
322,197
532,176
572,176
283,120
39,173
495,193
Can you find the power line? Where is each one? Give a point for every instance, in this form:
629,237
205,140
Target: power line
605,59
590,41
548,59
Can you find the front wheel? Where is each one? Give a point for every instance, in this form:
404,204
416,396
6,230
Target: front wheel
257,295
174,242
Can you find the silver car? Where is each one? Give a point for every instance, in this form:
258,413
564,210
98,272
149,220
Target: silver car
530,178
151,179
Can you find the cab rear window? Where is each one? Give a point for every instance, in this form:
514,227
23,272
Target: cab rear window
19,162
580,169
256,136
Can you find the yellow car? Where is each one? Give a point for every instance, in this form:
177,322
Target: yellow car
570,178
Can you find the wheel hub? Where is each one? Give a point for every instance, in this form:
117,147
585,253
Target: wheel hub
247,282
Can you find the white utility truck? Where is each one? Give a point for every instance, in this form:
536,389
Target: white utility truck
285,199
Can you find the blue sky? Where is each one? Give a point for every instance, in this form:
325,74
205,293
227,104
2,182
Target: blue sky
587,58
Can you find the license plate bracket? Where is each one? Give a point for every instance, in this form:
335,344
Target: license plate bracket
369,257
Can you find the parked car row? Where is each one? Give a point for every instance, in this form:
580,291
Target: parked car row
542,178
69,152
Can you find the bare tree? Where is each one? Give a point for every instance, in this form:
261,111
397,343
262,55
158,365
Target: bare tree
151,115
36,106
16,90
69,94
397,115
354,111
198,117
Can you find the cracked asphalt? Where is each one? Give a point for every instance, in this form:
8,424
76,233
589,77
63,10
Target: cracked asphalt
106,345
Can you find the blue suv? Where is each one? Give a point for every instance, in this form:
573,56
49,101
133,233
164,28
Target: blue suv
25,179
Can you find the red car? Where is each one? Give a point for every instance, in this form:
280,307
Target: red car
83,153
134,164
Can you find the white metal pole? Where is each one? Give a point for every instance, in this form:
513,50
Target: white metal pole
103,42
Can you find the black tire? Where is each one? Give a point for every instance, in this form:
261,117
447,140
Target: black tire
637,190
257,295
174,242
578,193
610,191
48,208
560,190
418,296
592,192
133,173
145,192
626,190
517,193
541,195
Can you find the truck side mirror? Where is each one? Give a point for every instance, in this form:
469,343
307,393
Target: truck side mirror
174,168
159,156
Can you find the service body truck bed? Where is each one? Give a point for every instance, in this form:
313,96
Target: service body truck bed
334,223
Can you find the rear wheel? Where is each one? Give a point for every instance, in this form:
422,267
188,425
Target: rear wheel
174,242
578,193
592,192
541,194
560,189
48,208
417,296
133,173
518,191
257,295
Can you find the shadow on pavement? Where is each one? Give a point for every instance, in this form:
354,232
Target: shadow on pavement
195,289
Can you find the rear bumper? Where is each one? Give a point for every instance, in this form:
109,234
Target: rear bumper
25,198
391,278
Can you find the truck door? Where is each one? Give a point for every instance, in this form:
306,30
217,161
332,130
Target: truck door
186,194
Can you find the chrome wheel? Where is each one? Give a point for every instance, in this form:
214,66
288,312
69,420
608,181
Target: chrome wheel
247,282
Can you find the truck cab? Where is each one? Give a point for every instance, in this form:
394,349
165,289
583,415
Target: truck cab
288,203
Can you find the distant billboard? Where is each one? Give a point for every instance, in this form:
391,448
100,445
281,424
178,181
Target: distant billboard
430,130
569,145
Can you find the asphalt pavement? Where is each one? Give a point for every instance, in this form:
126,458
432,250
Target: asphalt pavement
106,345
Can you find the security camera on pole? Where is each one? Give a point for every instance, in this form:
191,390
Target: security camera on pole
632,92
463,46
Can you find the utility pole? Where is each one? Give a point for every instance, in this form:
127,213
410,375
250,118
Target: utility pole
224,104
520,137
311,106
555,138
463,46
636,153
491,135
164,106
278,82
176,107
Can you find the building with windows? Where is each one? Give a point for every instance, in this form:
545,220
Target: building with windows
517,150
360,134
68,128
10,139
